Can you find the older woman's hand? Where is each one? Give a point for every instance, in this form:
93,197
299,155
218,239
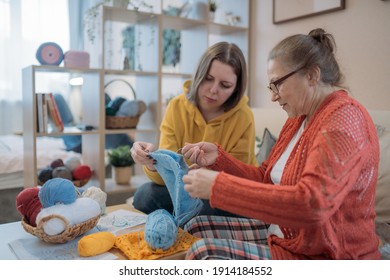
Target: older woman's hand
202,153
198,182
140,153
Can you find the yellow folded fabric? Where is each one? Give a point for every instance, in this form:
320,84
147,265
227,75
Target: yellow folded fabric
134,246
95,244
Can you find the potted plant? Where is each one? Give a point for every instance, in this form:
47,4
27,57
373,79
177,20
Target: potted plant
121,160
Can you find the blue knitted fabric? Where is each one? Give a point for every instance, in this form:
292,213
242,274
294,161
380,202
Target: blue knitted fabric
172,166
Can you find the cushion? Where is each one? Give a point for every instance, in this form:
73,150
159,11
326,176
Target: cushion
382,204
265,145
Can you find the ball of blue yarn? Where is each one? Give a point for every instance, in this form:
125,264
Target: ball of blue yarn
56,191
160,230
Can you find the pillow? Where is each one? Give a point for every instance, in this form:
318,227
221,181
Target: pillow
265,145
382,203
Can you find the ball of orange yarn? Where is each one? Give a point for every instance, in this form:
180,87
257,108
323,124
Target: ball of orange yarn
82,172
96,243
28,204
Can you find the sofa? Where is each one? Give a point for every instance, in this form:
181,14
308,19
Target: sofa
269,121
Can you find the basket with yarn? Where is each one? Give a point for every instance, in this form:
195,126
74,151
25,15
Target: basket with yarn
70,232
58,212
122,113
71,169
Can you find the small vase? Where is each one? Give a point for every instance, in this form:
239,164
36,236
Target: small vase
122,175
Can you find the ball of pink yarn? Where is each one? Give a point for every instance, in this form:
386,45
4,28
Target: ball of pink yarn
28,204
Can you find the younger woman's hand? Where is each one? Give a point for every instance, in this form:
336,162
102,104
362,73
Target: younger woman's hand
140,153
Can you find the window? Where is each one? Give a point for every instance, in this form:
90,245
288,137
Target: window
24,26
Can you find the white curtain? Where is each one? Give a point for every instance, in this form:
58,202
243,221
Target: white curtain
24,26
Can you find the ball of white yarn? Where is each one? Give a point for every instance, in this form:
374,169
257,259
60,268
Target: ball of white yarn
98,195
83,209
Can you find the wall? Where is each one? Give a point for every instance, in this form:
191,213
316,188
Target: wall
362,36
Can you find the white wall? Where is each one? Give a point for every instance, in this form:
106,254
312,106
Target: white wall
362,34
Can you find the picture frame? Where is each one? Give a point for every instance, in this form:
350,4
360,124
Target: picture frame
289,10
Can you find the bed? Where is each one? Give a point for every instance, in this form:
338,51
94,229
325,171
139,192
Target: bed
11,157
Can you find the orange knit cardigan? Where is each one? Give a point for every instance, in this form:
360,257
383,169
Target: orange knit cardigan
325,203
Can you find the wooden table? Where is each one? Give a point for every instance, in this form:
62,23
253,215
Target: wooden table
13,231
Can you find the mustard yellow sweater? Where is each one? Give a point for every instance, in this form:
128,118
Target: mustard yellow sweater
183,123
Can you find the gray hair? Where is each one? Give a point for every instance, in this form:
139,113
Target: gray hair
306,51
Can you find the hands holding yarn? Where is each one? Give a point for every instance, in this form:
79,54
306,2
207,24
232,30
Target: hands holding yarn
72,169
140,152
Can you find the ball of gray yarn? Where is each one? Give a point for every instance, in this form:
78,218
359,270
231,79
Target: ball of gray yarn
62,172
129,108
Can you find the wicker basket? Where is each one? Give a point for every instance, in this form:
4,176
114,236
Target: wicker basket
113,122
70,232
123,122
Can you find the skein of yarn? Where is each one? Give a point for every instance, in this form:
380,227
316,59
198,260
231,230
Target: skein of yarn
57,191
98,195
62,172
160,230
81,210
28,204
72,163
82,172
44,175
56,163
95,243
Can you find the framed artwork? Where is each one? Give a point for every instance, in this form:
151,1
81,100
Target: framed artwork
288,10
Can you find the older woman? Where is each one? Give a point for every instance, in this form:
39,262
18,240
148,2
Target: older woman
316,191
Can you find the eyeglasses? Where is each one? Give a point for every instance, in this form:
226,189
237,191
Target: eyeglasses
273,86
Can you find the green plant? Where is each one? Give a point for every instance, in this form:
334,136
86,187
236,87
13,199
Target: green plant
121,156
171,46
213,6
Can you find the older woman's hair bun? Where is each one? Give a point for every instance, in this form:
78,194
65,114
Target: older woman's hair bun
323,38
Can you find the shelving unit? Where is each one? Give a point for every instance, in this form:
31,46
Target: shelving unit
153,81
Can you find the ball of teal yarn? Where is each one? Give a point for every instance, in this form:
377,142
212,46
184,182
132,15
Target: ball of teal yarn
62,172
160,230
57,191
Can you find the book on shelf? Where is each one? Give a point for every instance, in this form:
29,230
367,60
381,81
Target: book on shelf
41,113
48,113
54,113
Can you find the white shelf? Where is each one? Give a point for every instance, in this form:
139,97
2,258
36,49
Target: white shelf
153,82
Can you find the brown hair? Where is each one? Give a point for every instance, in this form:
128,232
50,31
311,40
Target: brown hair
227,53
305,51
